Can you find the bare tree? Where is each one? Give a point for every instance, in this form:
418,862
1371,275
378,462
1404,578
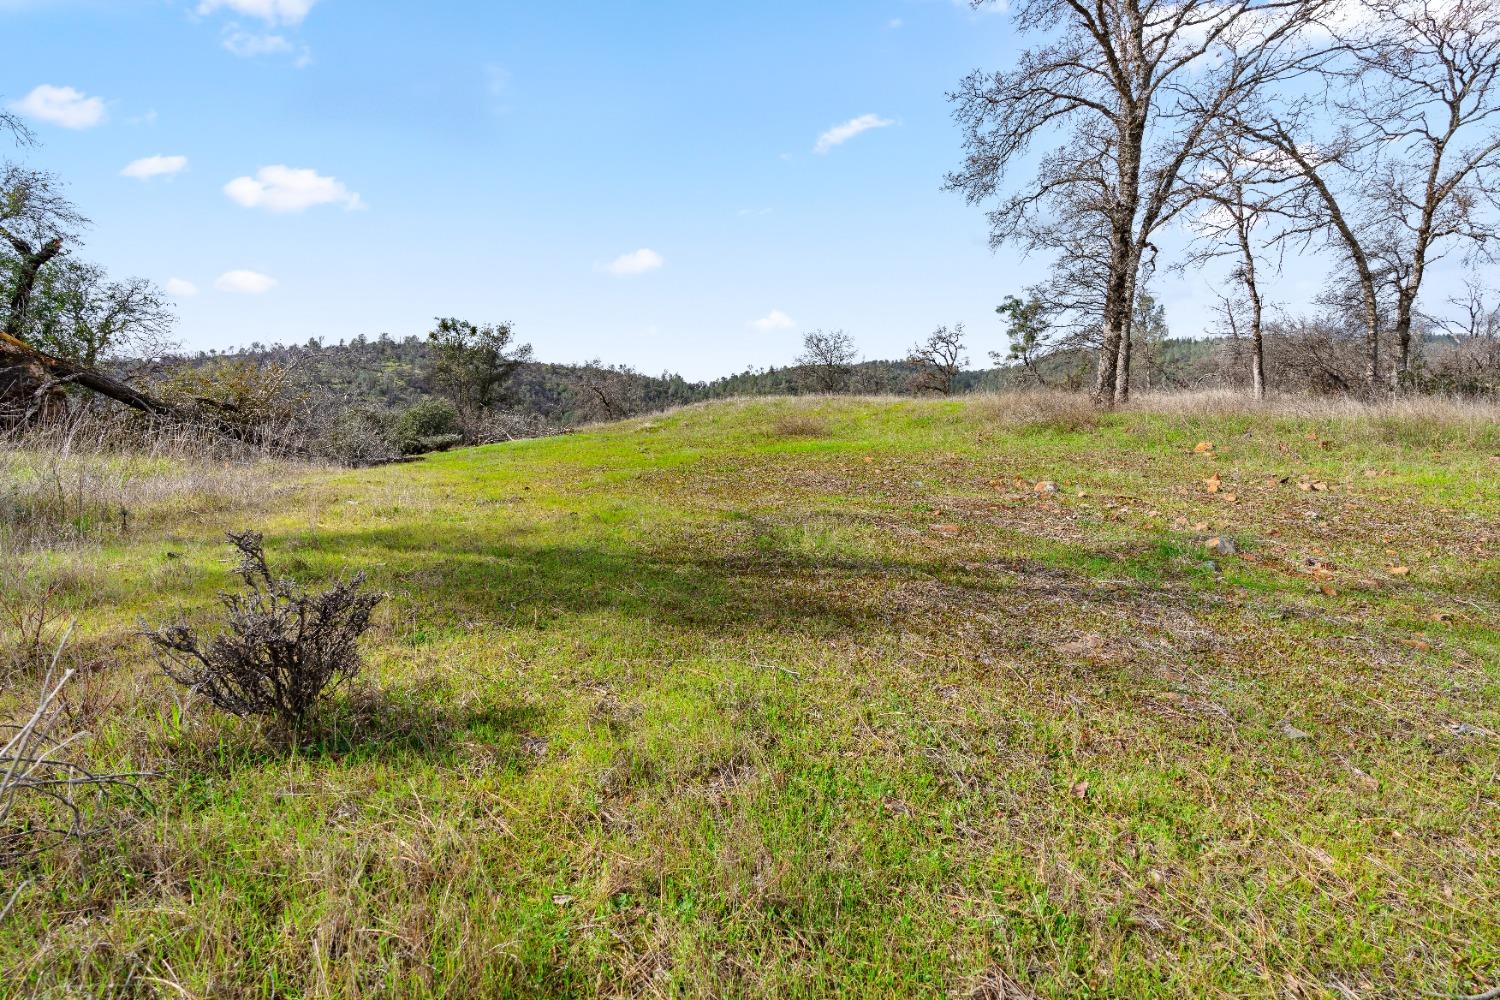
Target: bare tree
1471,361
1405,169
81,315
938,360
1323,203
1239,192
606,392
17,128
1132,86
827,361
1428,91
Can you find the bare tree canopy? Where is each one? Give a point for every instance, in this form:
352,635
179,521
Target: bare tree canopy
80,314
827,361
938,360
606,392
1241,191
1124,91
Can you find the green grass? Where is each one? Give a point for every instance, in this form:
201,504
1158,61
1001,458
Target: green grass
704,704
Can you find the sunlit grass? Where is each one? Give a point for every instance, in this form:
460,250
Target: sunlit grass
822,697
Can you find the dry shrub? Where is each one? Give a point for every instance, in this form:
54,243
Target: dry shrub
1041,410
799,425
283,648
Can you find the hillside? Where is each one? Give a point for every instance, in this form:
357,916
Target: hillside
816,697
394,373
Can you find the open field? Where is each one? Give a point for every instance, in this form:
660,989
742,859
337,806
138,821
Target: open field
827,697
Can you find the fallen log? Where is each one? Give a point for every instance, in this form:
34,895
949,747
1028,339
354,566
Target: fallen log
45,367
48,371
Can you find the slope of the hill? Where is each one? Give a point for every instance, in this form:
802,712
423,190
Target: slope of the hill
830,698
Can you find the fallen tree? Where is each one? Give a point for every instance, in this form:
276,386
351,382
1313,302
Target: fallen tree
48,374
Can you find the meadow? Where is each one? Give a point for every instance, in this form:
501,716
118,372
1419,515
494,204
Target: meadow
992,697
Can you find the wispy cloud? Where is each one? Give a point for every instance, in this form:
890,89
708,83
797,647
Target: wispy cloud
251,44
148,167
181,288
273,12
775,320
636,262
64,106
840,134
245,282
282,189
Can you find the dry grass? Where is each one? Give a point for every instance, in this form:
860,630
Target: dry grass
1040,409
799,425
91,478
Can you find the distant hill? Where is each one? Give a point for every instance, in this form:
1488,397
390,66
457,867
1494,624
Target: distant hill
393,374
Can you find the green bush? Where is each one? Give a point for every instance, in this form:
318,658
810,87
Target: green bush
428,426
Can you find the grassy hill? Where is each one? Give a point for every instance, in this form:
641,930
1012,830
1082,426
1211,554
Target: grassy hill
811,697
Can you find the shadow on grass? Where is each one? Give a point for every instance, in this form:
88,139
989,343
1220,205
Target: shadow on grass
364,723
418,721
469,575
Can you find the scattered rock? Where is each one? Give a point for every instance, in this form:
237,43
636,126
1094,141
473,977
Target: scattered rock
1222,544
1464,729
1046,486
1291,732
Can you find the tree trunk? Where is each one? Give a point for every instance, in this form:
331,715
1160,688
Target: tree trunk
1257,349
1116,321
44,366
32,262
1372,335
1401,375
1252,292
1122,365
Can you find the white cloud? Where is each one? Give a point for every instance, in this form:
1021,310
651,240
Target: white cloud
270,11
840,134
776,320
638,262
894,23
154,166
181,288
285,189
63,106
248,45
245,282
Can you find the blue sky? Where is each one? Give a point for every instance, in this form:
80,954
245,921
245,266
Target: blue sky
643,182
